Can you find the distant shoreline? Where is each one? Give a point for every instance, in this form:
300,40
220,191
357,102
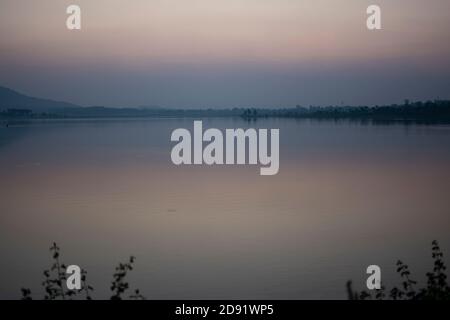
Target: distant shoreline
17,106
437,111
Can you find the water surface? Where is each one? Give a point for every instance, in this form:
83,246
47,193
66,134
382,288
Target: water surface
347,195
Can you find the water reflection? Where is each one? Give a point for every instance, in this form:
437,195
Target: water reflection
348,194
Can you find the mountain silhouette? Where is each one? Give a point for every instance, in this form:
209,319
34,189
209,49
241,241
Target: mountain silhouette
10,99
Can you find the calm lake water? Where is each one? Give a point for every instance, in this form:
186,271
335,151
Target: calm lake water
347,195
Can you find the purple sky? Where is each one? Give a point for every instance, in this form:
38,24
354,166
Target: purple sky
226,53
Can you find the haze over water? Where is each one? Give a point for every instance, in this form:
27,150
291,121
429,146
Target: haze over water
347,195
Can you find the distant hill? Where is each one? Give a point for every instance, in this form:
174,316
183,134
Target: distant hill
10,99
15,105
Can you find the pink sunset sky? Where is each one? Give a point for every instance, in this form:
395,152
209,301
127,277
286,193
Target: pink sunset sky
226,53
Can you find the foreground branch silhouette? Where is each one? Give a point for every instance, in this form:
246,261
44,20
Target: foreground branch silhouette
437,287
55,279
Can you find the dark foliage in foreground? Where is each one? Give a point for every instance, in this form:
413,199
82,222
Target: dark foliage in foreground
437,287
55,282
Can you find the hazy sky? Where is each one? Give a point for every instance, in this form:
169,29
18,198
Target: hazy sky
226,53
